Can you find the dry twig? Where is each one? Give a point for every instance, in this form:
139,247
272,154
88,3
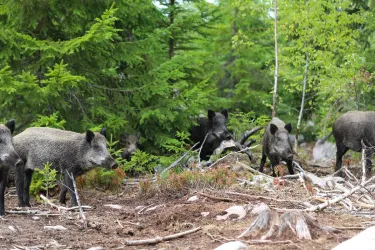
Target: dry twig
83,216
160,239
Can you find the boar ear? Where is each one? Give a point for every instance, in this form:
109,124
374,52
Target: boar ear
211,114
288,127
138,134
89,136
273,128
11,125
225,113
104,132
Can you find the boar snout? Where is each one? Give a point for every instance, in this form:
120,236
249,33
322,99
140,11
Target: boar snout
114,165
228,136
289,157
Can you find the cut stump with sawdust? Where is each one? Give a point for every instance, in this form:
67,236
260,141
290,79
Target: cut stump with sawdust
272,224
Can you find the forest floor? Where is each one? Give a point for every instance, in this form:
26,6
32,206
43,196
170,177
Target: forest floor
142,217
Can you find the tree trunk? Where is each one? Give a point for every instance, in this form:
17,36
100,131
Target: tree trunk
171,21
276,65
302,101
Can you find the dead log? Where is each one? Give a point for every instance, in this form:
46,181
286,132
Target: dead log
249,133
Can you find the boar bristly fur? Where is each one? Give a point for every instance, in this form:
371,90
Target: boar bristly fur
276,145
67,151
349,130
8,159
216,130
129,145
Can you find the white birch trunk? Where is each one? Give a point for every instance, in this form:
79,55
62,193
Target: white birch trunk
276,64
302,102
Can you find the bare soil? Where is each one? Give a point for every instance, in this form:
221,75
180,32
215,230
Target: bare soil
110,228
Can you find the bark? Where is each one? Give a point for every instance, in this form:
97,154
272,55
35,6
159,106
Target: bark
302,102
171,41
276,64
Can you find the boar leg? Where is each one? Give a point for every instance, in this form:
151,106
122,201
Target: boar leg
369,153
63,192
262,162
26,193
20,183
274,163
69,186
3,181
289,163
341,150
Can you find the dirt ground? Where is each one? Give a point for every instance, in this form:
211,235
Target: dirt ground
110,227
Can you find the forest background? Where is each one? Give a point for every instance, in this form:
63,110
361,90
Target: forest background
151,67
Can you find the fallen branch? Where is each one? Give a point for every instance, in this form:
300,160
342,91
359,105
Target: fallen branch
217,198
263,197
254,170
200,149
269,242
83,216
61,207
160,239
178,160
232,153
34,212
248,133
339,198
25,212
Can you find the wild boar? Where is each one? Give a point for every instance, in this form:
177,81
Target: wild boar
69,152
129,145
276,145
215,128
8,159
349,130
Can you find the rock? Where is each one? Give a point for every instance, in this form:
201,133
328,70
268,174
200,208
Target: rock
233,245
324,151
259,208
235,212
95,248
205,214
365,240
58,227
193,198
114,206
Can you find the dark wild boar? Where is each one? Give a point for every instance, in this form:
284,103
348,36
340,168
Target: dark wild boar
129,145
276,145
8,159
67,151
349,130
216,130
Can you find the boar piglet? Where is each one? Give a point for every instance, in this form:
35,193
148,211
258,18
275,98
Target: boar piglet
216,130
129,145
349,130
69,152
8,159
276,145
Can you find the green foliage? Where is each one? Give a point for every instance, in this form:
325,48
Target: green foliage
49,121
116,154
179,144
102,179
180,183
43,179
153,66
140,163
